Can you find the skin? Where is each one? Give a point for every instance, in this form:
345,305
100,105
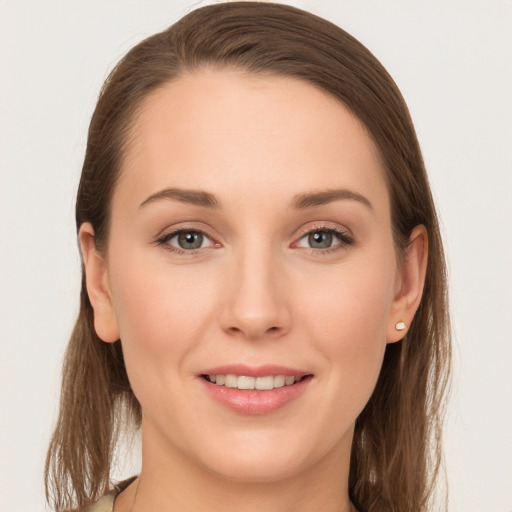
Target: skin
255,293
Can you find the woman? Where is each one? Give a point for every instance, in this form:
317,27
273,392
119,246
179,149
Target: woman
264,287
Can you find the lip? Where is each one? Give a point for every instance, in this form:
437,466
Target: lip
255,371
255,402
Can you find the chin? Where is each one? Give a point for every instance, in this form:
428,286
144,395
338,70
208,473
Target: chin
264,458
247,469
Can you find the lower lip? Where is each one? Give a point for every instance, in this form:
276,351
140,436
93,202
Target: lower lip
253,402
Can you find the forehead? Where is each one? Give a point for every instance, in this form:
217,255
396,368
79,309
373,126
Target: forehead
231,132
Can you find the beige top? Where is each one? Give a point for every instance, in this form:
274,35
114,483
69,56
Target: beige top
106,502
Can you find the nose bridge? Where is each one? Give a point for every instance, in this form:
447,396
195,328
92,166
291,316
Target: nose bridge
256,304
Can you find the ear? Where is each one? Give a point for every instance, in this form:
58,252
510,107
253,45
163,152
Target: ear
98,286
409,286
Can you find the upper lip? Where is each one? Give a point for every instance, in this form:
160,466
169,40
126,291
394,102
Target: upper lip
255,371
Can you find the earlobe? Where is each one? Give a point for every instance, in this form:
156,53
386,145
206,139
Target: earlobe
410,285
98,286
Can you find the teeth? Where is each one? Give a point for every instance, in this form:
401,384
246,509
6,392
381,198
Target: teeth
289,381
245,382
260,383
264,383
231,381
279,381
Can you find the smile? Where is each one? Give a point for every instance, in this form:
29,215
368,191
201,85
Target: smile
253,390
244,382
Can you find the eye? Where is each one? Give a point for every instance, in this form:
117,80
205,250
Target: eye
186,240
322,239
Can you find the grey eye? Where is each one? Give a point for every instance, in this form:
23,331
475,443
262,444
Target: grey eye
188,240
320,239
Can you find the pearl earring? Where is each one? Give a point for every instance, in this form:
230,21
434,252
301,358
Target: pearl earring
400,326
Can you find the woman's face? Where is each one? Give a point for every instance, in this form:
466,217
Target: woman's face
250,240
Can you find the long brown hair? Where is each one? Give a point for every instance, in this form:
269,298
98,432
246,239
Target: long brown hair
396,449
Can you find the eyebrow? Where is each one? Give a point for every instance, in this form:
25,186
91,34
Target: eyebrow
299,202
309,200
194,197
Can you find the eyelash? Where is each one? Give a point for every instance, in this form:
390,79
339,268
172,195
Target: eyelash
345,240
166,237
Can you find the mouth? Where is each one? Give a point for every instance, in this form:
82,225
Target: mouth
255,390
246,382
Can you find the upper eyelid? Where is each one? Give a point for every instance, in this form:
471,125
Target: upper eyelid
168,231
323,226
166,235
342,236
304,230
173,234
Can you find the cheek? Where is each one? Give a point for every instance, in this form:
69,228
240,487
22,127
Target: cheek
346,314
161,314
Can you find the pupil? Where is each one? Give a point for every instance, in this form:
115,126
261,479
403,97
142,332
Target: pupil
190,240
320,240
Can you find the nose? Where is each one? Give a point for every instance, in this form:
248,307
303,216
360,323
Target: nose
255,305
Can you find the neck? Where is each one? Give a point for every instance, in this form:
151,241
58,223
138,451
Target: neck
171,481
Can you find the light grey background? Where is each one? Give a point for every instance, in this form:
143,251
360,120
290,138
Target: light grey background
452,61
